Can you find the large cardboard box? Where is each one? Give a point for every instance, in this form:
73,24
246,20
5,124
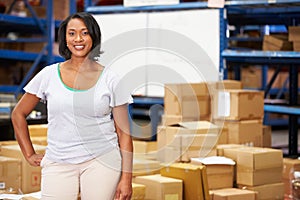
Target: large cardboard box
189,100
138,191
259,166
276,42
194,177
249,132
220,171
31,176
234,194
238,105
10,173
268,191
160,188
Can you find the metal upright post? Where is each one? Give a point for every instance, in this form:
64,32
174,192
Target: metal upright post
50,32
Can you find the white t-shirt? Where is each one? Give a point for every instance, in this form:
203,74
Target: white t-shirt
80,125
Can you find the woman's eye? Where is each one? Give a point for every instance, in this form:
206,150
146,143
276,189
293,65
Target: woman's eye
71,33
85,33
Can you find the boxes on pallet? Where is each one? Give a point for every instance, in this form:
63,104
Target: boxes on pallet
234,194
268,191
160,187
220,171
10,173
194,179
238,105
31,176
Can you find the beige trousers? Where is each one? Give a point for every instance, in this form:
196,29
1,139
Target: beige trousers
96,179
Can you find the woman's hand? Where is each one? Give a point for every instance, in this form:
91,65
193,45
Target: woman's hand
35,159
124,190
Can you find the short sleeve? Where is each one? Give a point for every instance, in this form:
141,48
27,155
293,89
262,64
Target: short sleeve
37,85
120,92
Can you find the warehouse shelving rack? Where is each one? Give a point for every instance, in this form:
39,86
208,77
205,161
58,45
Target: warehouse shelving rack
44,27
265,12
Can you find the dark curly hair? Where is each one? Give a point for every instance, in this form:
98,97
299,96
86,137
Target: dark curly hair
94,31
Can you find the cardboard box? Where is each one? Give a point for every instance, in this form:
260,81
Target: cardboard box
258,177
142,147
194,177
267,136
294,32
145,167
138,191
220,171
289,166
160,188
38,130
234,194
10,173
221,147
238,105
39,140
31,176
296,45
249,132
277,42
268,191
190,100
251,77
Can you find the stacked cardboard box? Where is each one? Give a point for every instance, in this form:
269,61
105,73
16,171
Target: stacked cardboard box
138,191
241,112
184,140
233,194
10,174
258,169
30,176
159,187
277,42
294,32
290,166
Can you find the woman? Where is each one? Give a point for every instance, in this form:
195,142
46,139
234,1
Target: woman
89,144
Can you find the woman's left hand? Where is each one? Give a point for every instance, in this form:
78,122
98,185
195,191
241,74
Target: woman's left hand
124,190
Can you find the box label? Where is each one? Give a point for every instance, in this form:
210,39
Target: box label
224,104
2,185
171,197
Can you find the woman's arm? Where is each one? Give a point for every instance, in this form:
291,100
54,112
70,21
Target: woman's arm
23,108
120,114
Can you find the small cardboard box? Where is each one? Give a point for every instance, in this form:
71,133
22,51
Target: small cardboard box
194,177
220,171
276,42
238,105
189,100
160,188
10,173
267,191
145,167
248,132
234,194
289,166
294,33
31,176
138,191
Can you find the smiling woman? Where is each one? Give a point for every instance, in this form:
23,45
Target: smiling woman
89,141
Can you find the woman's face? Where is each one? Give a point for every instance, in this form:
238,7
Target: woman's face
78,38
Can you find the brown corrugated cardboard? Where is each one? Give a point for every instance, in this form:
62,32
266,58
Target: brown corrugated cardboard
31,176
10,173
234,194
273,191
145,167
248,132
267,136
138,191
276,42
194,179
289,166
238,105
294,32
160,188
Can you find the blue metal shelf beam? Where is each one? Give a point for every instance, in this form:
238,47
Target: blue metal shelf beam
282,109
24,56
